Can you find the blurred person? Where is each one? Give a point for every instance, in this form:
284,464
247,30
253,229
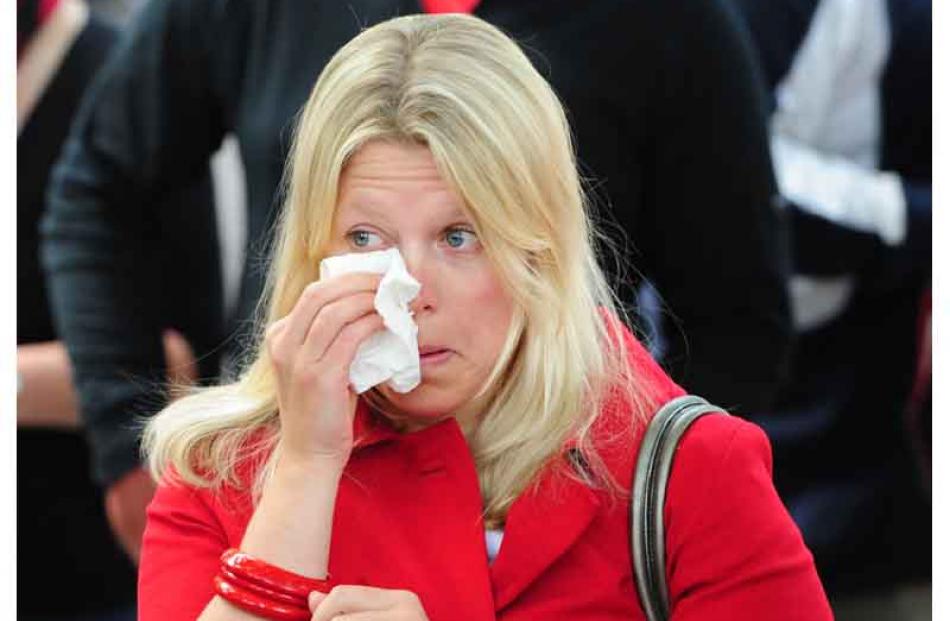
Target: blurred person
433,138
60,511
118,12
670,125
851,142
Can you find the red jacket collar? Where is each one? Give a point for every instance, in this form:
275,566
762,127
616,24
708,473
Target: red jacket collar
370,428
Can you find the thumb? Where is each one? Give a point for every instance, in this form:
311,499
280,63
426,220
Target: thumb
314,599
182,368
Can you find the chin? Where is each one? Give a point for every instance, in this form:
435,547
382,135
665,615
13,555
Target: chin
425,402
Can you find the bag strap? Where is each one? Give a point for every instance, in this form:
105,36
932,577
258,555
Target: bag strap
647,532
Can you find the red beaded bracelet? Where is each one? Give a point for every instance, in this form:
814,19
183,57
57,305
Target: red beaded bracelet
270,576
265,589
261,590
259,604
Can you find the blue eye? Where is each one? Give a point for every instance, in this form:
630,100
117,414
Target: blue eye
460,238
363,239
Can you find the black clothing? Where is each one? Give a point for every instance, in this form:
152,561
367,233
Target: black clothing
777,30
61,526
844,463
662,97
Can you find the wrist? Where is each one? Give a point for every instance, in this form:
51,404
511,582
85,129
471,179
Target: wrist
304,462
296,505
307,471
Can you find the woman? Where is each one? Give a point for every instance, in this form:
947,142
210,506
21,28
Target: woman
435,136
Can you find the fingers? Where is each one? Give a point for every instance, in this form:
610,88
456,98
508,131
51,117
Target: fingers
125,504
318,294
179,357
343,349
334,367
369,615
330,321
363,603
182,368
314,599
311,350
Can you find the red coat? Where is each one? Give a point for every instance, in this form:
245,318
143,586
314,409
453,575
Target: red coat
408,517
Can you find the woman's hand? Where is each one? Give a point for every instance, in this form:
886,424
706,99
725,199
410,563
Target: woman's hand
362,603
311,350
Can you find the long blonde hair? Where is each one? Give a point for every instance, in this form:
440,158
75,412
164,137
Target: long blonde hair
499,135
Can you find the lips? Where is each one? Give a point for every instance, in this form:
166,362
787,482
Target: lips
431,350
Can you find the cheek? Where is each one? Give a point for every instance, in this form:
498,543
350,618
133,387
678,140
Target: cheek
483,308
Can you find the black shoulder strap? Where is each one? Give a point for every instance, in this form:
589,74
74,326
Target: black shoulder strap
647,532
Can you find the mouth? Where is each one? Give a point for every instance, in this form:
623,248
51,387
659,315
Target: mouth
429,356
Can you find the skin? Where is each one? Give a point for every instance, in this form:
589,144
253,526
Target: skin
127,499
48,400
391,195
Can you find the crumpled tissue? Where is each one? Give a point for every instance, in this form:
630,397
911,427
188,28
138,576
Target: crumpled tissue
390,355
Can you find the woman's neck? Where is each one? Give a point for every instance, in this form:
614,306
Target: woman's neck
467,417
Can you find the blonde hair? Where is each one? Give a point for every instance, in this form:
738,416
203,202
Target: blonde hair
499,135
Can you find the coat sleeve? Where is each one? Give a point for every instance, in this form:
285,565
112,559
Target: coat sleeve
146,129
181,547
714,242
733,551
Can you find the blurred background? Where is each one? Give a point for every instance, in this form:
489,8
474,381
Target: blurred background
764,166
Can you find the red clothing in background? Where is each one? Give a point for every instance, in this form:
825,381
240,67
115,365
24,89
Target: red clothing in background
449,6
408,517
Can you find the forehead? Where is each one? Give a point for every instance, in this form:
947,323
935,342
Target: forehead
389,179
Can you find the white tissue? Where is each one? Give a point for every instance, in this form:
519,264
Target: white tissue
392,354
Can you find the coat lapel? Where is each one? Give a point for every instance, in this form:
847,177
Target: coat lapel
408,516
543,523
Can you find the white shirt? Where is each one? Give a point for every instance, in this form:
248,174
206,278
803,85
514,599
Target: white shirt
493,543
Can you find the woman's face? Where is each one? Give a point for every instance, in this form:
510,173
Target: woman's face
392,196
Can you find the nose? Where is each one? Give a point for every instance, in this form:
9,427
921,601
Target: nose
416,264
421,303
